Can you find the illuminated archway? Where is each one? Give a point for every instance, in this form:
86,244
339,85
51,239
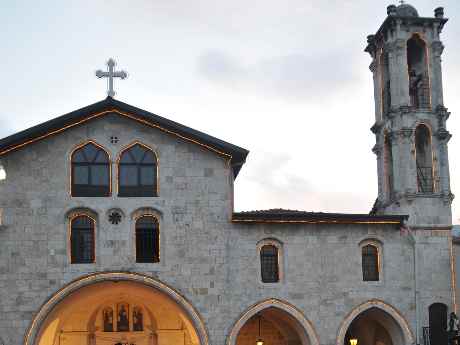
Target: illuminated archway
281,318
389,327
76,311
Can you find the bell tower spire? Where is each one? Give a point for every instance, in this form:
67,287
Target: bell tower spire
410,117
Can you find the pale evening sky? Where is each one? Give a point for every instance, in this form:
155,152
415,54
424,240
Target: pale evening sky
287,80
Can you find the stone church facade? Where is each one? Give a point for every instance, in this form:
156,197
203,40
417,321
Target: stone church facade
117,227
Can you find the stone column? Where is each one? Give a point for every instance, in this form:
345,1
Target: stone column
378,150
376,70
398,73
443,137
436,74
408,167
397,162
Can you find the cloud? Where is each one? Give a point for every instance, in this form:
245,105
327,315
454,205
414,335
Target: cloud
307,77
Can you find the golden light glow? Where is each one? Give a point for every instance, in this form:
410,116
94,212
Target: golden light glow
259,342
2,173
353,341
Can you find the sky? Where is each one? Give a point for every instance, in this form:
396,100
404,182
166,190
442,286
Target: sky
287,80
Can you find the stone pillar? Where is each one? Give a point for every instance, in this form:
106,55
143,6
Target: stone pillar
436,74
376,70
398,73
378,150
408,166
443,137
397,162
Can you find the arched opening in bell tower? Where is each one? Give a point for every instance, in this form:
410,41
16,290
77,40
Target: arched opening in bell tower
424,159
417,68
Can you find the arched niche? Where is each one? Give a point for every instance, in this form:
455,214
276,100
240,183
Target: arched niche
417,68
424,159
375,323
277,319
73,314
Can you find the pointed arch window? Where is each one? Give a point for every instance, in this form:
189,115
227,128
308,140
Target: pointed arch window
137,172
90,172
147,239
424,159
370,262
269,264
82,240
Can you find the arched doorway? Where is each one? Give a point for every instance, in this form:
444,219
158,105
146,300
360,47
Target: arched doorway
117,308
375,323
273,322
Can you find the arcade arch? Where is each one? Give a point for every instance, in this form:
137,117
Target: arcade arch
275,322
375,323
111,308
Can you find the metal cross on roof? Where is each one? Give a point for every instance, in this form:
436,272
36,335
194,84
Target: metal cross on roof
110,74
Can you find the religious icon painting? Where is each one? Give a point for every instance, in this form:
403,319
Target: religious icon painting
123,317
107,317
138,319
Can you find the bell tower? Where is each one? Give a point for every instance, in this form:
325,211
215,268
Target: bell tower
410,117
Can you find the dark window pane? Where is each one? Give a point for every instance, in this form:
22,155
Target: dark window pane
370,263
269,264
101,157
149,158
147,176
78,157
137,178
90,179
128,175
99,175
82,240
147,240
91,151
80,175
137,152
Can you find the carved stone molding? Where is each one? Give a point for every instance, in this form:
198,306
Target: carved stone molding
377,127
373,66
377,149
448,198
437,47
406,132
443,135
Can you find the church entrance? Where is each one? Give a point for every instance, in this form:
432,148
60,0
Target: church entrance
117,312
273,322
374,326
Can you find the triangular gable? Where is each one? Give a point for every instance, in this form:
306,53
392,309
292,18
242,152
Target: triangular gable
237,155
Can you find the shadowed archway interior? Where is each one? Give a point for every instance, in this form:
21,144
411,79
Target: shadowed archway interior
374,326
274,327
117,312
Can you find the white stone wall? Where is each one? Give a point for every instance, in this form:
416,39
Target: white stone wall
209,260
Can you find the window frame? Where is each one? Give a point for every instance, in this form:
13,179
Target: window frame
433,185
71,173
280,254
157,254
70,256
378,245
155,192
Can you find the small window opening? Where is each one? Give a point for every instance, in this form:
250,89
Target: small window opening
269,264
82,240
147,240
424,159
419,85
370,263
